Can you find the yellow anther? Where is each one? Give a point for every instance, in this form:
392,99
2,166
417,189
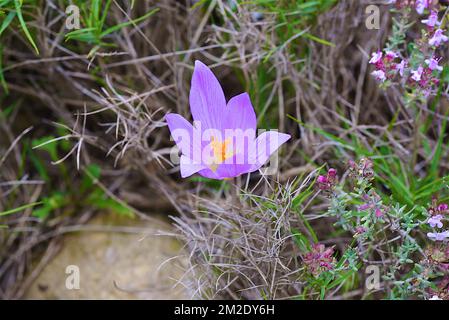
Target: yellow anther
221,150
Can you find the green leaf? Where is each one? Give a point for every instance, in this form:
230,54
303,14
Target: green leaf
18,209
55,201
301,241
91,173
18,5
2,76
7,21
319,40
124,24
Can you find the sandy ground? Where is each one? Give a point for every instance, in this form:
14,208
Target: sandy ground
113,265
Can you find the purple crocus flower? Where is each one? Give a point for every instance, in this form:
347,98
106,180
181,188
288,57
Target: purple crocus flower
222,141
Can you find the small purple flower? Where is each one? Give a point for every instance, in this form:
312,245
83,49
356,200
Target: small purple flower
332,172
400,67
435,221
365,206
438,236
319,259
390,55
438,38
442,207
379,213
328,181
360,230
375,57
222,142
379,75
433,64
432,20
322,179
421,5
416,74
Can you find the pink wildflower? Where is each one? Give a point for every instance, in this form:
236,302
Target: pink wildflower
435,221
438,236
416,74
432,20
332,172
365,206
433,64
437,38
360,230
322,179
400,67
390,55
328,181
375,57
421,5
319,259
379,75
379,213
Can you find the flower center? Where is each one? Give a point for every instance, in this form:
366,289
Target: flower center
221,150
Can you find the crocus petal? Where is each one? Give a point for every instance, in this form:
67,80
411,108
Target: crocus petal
207,100
182,132
229,169
233,168
265,145
240,113
189,167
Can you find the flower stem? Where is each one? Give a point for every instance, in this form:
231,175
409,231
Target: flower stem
235,193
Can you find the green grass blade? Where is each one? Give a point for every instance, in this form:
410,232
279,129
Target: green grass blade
18,5
7,21
7,212
124,24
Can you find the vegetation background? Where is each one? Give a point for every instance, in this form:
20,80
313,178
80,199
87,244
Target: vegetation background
83,132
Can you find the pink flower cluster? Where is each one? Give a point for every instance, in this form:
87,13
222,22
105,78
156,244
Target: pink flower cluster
363,169
437,215
386,66
418,5
319,259
374,204
424,77
441,292
437,261
416,73
328,181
